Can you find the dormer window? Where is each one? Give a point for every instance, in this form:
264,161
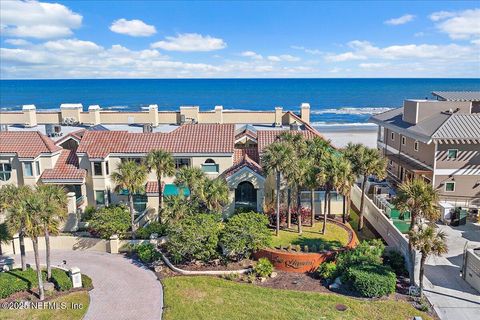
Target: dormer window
452,153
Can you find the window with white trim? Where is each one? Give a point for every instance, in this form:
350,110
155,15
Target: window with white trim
415,146
452,153
450,186
392,136
5,171
100,197
404,140
97,169
28,169
210,166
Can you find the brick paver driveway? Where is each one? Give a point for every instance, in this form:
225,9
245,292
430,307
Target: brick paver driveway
123,289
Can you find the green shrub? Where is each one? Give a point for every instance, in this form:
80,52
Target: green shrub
194,238
17,280
263,268
87,282
109,221
61,280
146,252
245,233
148,230
88,213
396,261
246,209
327,271
370,280
367,252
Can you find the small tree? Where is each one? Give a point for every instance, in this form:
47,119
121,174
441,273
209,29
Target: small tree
215,194
245,233
192,178
132,177
429,242
109,221
164,165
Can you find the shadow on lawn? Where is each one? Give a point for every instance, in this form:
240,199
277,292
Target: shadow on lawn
307,239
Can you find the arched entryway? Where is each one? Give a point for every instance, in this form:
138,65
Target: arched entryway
246,195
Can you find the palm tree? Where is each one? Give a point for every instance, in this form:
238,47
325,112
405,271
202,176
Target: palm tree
419,198
132,177
164,165
296,175
342,181
11,198
5,236
429,242
192,178
299,145
365,162
215,194
55,212
34,207
177,208
275,159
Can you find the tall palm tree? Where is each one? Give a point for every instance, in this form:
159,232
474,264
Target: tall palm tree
429,242
365,162
343,184
132,177
34,207
215,194
11,198
192,178
164,165
419,198
55,212
299,145
275,159
296,175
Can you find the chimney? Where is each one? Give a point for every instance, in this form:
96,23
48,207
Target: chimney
278,116
29,115
94,114
153,114
218,114
305,112
71,113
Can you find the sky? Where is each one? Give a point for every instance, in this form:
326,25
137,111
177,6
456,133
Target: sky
254,39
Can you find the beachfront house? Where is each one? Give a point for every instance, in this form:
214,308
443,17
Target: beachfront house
81,157
437,140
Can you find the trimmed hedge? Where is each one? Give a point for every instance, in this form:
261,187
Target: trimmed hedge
370,280
152,227
61,280
146,252
87,282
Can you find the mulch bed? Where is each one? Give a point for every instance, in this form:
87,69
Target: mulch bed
295,281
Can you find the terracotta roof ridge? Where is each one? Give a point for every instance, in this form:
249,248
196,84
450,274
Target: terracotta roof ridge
49,144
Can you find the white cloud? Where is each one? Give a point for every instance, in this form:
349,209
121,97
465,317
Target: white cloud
458,25
134,28
17,42
283,57
252,54
190,42
307,50
400,20
365,50
372,65
37,19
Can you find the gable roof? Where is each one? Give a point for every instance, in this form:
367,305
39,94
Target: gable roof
188,138
66,168
245,162
26,144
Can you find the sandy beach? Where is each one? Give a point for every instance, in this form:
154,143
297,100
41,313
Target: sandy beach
340,136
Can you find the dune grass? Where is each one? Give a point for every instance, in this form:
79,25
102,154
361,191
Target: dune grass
215,298
335,237
75,306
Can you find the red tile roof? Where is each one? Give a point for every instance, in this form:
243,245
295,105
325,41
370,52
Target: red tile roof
66,168
26,144
189,138
152,186
245,162
239,154
266,137
75,134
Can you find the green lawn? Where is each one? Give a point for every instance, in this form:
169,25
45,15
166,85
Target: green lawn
214,298
69,313
335,237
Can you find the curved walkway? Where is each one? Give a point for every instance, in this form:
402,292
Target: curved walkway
123,289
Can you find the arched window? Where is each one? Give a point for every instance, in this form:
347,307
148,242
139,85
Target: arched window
209,166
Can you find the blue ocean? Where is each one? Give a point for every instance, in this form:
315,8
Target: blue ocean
333,101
